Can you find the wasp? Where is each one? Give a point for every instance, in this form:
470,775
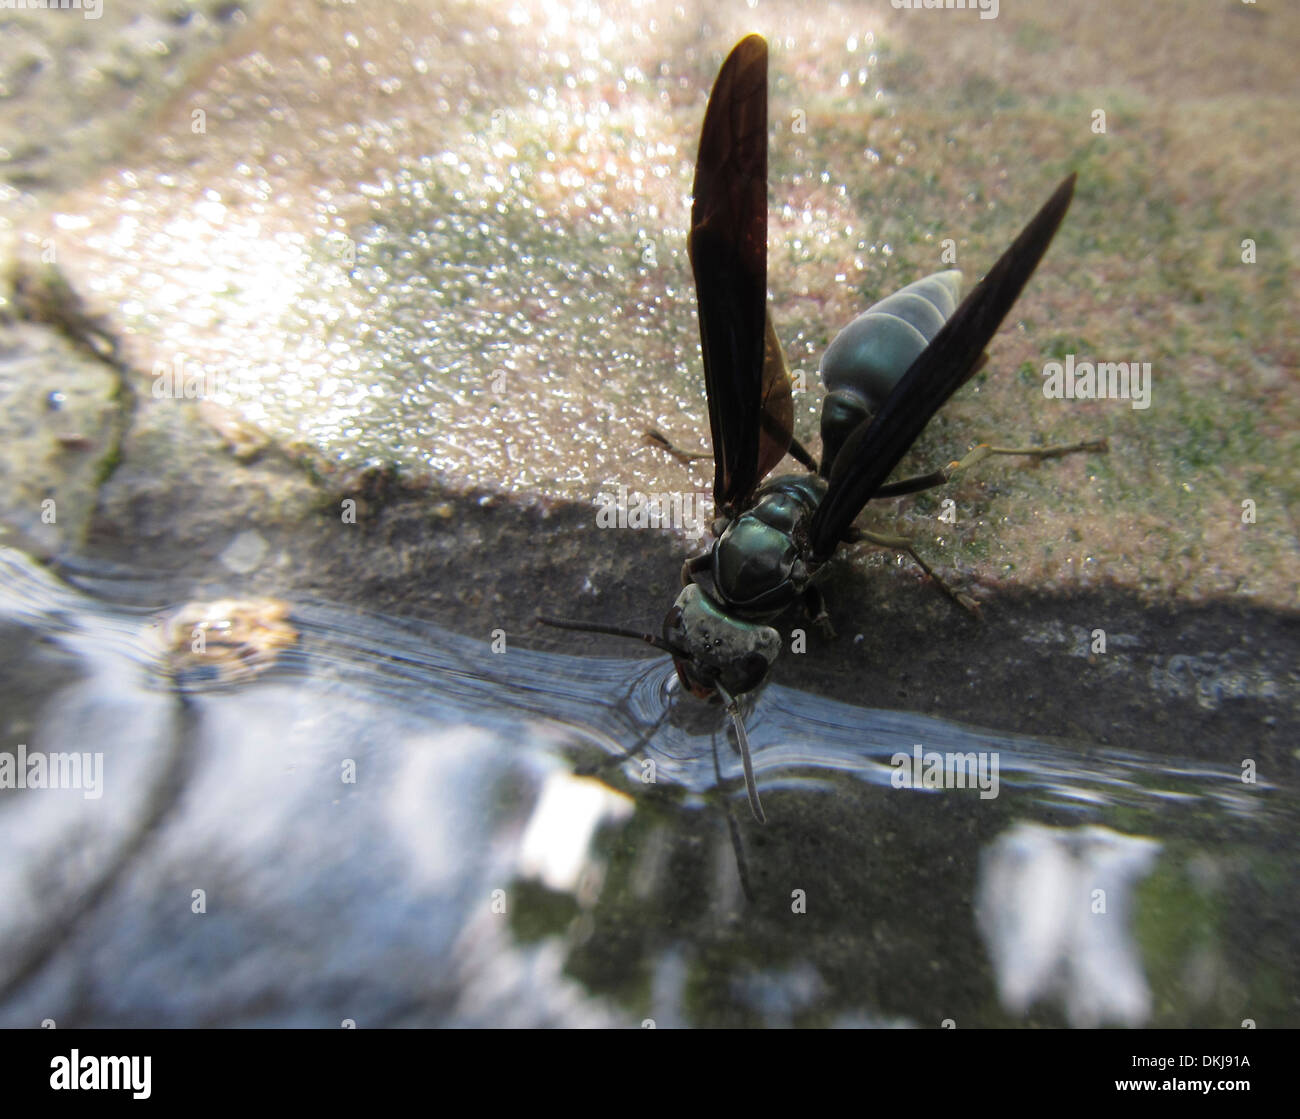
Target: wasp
886,374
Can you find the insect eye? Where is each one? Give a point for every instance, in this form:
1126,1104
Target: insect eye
753,668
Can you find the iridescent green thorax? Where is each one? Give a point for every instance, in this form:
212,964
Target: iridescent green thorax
758,561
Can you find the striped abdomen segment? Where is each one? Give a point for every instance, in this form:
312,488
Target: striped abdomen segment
869,356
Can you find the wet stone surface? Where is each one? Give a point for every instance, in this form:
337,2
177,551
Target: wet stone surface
451,244
61,422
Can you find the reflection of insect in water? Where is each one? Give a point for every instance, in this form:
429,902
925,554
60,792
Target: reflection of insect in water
886,375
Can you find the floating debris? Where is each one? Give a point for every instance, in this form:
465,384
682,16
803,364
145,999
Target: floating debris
227,641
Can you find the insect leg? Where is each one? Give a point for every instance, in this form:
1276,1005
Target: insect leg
733,828
694,565
742,743
979,454
902,544
658,439
814,603
801,455
594,769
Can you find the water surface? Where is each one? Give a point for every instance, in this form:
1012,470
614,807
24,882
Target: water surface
391,823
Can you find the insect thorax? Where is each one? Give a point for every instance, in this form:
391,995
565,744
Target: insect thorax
760,561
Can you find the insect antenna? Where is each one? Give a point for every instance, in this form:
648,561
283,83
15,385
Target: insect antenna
742,739
612,631
611,760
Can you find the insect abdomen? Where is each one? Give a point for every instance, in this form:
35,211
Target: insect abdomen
868,357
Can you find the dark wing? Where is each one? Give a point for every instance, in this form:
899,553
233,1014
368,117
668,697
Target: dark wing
874,449
776,426
728,250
